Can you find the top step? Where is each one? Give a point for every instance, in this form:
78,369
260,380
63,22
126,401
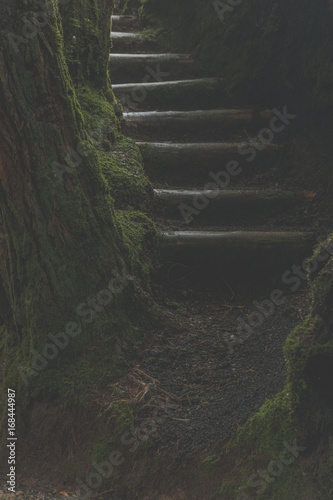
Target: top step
120,23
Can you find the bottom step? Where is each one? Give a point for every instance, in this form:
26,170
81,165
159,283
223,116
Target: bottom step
234,239
245,257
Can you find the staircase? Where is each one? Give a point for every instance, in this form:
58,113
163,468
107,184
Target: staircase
211,209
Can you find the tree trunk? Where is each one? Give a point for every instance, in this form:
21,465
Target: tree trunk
87,27
59,239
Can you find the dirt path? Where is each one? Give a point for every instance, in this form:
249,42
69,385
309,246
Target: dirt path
219,381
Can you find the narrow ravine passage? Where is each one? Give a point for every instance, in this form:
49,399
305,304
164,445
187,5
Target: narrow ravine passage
231,230
234,233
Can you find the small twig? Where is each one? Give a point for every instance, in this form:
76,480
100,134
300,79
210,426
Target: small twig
144,392
172,396
145,374
230,307
231,290
104,493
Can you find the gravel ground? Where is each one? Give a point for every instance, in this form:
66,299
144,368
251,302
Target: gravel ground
26,494
218,384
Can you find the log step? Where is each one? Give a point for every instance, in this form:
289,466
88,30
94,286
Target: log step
142,67
171,156
126,38
217,119
178,94
120,23
234,239
225,205
124,42
132,59
244,256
